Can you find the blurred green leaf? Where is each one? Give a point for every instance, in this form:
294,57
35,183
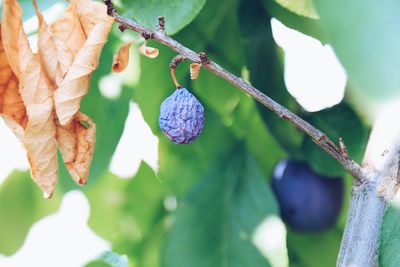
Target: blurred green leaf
311,27
177,13
21,205
216,93
134,210
97,263
215,223
155,84
314,250
300,7
181,165
390,236
366,37
338,121
263,146
266,72
211,18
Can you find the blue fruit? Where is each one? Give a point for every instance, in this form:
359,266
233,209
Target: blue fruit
181,117
308,201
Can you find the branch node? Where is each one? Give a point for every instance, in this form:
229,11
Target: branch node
122,28
147,35
203,58
161,24
110,7
175,61
282,115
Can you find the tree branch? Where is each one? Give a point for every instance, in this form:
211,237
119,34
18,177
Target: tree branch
360,243
317,136
375,184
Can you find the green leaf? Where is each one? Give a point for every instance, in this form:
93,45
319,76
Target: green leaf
135,214
215,223
311,27
366,37
97,263
211,18
181,165
263,146
155,85
338,121
266,73
177,13
216,93
300,7
390,236
21,205
314,250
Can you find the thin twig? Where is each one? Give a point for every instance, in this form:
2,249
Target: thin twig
318,137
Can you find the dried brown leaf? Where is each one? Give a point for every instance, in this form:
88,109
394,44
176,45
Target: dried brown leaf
96,24
121,59
77,145
55,56
91,14
194,70
39,134
148,51
68,29
15,41
35,87
12,108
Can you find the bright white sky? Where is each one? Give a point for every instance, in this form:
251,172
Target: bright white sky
313,76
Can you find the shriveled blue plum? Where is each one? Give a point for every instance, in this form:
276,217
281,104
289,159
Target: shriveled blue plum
181,117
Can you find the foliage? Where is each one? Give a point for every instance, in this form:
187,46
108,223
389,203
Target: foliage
216,220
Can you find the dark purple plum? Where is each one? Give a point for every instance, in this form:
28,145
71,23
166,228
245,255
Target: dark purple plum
181,117
308,202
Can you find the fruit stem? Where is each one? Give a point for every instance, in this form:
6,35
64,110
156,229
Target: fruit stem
174,79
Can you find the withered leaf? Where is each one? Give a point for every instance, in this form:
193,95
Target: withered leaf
76,143
148,51
194,70
38,136
12,108
68,29
121,59
15,41
76,82
34,88
54,54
